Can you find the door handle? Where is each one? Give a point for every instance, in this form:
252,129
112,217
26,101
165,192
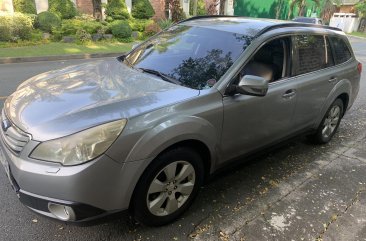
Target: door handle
332,79
289,94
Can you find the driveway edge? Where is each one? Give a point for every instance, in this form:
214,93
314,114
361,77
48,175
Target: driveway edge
10,60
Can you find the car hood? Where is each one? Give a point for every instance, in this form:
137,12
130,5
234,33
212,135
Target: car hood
63,102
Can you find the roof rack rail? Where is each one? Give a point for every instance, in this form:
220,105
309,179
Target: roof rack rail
208,16
289,24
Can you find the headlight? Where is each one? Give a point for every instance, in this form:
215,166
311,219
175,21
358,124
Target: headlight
80,147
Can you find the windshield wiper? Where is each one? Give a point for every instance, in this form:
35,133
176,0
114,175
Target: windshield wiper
161,75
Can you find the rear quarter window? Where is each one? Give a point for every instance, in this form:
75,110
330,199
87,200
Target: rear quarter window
341,51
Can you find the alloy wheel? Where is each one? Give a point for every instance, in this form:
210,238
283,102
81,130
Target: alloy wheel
171,188
331,121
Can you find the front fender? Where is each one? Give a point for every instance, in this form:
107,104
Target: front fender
344,86
171,132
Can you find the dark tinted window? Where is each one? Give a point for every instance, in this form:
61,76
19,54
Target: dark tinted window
341,50
313,53
195,57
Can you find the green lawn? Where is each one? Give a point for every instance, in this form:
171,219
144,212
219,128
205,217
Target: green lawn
358,34
50,49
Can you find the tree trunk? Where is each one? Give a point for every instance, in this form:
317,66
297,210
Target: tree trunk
222,7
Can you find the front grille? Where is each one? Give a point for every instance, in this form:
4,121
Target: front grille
14,138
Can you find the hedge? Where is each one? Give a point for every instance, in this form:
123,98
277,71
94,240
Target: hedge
142,9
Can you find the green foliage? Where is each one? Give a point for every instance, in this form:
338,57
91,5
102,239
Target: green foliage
14,27
139,24
361,8
47,21
25,6
36,35
83,36
116,10
65,9
120,29
142,9
71,26
152,29
165,23
201,7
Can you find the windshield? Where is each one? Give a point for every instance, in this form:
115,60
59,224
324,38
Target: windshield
195,57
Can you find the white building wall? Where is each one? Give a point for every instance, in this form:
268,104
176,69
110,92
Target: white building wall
348,22
41,5
7,6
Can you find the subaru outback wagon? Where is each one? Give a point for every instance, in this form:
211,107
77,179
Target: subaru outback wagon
143,131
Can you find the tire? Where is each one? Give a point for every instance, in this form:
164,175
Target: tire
165,190
330,123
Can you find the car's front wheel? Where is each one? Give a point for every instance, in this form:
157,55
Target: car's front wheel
168,187
330,123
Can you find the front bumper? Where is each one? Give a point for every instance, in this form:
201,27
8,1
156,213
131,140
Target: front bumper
91,190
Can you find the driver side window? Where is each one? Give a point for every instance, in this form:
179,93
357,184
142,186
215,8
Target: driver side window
269,62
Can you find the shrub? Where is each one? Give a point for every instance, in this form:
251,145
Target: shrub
36,35
47,21
25,6
83,36
152,29
71,26
139,24
5,29
120,29
116,10
201,7
165,23
65,9
142,9
14,27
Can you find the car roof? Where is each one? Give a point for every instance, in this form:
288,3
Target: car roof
252,27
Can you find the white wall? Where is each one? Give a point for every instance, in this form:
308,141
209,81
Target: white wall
41,5
129,5
229,7
348,22
7,6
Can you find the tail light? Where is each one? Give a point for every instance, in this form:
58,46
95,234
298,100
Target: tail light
359,68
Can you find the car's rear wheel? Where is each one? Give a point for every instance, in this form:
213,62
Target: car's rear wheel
330,123
168,187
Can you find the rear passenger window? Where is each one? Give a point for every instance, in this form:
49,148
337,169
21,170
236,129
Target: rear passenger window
312,52
341,50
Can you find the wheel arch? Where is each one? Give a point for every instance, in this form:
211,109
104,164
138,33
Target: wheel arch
342,90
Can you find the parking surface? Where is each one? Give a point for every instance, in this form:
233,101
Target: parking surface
296,191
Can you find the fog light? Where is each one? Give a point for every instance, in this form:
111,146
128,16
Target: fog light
62,212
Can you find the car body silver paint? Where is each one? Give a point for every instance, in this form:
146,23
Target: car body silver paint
80,97
159,114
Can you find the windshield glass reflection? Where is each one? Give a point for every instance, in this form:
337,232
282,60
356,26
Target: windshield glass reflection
196,57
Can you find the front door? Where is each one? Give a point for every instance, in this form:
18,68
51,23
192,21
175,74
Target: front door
252,122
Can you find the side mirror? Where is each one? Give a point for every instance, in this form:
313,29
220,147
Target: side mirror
252,85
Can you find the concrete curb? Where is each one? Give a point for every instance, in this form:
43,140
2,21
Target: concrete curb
57,57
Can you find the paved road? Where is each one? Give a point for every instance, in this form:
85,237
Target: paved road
298,191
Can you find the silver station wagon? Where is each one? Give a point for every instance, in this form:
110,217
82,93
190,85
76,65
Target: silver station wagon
142,132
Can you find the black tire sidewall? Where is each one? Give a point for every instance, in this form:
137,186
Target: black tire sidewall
319,135
139,205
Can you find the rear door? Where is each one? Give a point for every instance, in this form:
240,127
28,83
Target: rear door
313,69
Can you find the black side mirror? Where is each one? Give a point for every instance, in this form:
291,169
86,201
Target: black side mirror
252,85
